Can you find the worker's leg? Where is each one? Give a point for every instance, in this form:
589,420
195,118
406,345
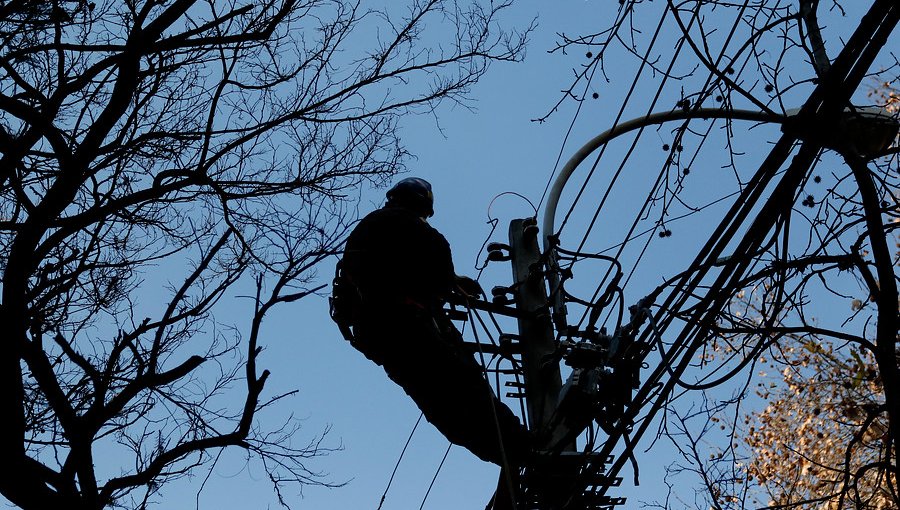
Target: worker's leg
450,389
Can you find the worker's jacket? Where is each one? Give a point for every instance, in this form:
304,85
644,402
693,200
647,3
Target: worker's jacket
394,257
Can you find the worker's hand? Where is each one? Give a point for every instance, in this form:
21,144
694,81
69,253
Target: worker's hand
468,287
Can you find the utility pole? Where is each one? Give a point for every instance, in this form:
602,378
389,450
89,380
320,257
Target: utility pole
537,339
557,477
546,483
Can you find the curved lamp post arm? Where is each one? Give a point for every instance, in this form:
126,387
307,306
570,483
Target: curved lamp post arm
626,127
863,131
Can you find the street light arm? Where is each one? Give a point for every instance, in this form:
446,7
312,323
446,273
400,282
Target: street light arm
626,127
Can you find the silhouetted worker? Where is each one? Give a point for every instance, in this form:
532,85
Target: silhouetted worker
401,272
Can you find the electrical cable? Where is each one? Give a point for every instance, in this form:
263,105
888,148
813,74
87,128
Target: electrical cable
397,465
505,467
633,146
669,161
594,66
718,241
664,391
493,222
618,118
434,478
630,151
659,179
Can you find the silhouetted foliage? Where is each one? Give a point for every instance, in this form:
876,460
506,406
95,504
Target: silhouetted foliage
157,156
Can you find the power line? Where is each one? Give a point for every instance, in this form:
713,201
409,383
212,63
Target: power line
434,478
400,458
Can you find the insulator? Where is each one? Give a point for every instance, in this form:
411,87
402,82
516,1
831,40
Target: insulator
499,290
498,252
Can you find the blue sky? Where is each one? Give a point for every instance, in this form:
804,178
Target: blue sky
471,157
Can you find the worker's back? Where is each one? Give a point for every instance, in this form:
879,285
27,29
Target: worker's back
393,255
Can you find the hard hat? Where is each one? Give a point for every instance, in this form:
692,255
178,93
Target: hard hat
413,193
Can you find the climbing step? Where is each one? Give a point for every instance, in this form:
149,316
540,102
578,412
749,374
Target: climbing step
568,481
